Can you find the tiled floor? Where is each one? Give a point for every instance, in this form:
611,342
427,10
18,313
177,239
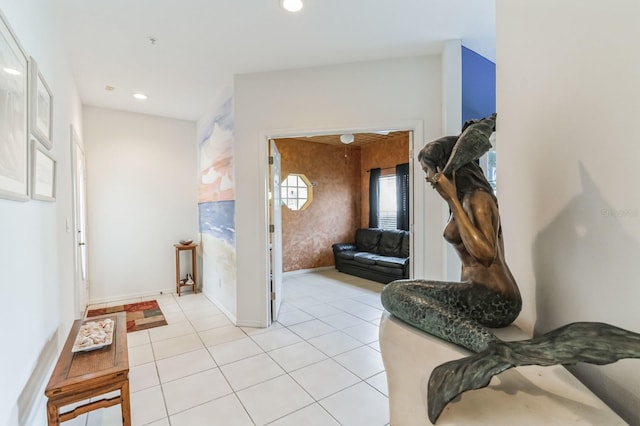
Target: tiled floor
318,365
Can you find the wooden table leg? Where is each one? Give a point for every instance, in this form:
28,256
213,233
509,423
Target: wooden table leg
53,414
178,271
125,404
194,272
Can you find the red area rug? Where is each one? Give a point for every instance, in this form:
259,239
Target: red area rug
140,316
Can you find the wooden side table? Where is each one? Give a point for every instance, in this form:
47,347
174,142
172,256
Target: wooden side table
82,375
194,270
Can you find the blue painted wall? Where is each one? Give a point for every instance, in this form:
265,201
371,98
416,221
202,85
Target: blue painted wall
478,85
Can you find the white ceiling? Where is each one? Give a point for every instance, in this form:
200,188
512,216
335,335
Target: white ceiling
201,44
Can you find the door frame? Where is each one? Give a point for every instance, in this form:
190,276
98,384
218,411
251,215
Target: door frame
81,284
275,237
416,263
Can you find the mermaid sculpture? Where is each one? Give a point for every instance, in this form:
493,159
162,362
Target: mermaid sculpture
487,296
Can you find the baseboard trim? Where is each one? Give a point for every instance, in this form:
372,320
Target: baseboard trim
150,293
224,310
307,271
252,324
32,402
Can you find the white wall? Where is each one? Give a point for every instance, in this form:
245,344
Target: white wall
36,254
568,96
351,96
142,198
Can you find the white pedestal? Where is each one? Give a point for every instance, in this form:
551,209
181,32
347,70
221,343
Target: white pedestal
521,396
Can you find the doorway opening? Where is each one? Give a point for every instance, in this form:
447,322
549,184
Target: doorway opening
338,176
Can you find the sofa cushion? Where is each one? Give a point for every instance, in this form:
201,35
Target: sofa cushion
365,258
343,247
390,242
392,262
367,239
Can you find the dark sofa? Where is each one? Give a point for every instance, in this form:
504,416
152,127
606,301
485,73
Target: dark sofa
377,254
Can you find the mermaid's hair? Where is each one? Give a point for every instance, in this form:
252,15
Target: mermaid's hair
469,177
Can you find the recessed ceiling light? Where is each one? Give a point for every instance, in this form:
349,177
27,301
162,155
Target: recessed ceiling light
291,5
109,88
140,96
11,71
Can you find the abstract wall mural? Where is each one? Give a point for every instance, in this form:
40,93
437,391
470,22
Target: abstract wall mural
216,157
216,206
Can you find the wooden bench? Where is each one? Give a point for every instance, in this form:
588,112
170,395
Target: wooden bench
80,376
530,395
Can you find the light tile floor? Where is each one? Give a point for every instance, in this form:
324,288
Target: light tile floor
318,365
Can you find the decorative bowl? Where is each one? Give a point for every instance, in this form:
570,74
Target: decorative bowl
185,242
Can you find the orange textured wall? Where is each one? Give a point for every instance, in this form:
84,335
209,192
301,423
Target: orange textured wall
334,213
385,155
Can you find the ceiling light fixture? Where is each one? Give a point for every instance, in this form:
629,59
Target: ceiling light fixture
291,5
347,138
140,96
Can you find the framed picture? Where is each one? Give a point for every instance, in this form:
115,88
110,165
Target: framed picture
14,136
43,173
41,106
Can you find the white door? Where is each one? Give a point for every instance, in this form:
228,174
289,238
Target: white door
275,230
79,224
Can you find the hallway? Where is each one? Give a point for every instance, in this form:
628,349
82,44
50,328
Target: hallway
319,364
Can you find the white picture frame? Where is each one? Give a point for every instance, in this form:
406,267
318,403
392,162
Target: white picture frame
43,173
14,126
41,106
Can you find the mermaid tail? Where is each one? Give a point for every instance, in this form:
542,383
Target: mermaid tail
590,342
456,312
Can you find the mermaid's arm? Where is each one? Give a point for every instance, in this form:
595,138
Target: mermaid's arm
481,231
478,223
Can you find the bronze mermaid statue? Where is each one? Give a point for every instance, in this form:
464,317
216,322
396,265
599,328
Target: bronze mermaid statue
487,295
